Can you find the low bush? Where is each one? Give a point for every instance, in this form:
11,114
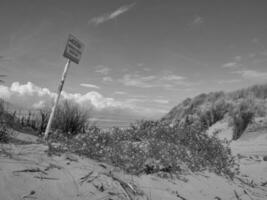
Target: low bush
6,121
4,134
151,147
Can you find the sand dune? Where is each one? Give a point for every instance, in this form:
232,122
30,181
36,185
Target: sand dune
27,172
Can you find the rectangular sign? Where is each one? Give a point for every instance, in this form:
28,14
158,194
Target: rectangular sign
73,49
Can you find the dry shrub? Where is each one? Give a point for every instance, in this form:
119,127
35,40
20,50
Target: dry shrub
242,115
43,120
70,118
151,147
4,134
6,121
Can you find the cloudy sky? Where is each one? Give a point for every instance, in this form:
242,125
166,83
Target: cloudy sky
141,56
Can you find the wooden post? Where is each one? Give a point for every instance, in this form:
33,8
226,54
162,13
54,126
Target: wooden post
60,87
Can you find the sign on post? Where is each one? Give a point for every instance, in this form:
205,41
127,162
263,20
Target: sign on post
73,49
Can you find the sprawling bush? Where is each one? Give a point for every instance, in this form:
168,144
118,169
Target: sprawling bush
152,146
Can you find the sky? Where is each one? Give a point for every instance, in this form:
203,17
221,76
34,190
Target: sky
141,57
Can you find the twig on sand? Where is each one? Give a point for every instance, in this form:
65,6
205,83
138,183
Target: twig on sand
102,165
44,177
32,170
181,197
86,178
248,194
100,188
128,188
237,196
29,196
251,183
102,197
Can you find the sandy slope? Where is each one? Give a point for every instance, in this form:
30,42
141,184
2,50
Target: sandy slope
251,148
27,172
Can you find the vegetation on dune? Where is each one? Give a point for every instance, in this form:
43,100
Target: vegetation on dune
172,145
43,120
6,121
206,109
256,91
4,134
152,147
242,115
69,118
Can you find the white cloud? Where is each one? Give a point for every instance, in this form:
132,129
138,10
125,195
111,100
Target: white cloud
229,81
136,100
102,69
235,64
147,69
89,85
94,99
160,106
230,65
29,89
252,74
120,92
173,77
137,80
161,101
166,81
147,100
107,79
198,20
142,67
109,16
148,78
140,96
252,55
238,58
29,95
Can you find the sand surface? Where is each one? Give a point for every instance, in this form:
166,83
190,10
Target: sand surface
27,172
